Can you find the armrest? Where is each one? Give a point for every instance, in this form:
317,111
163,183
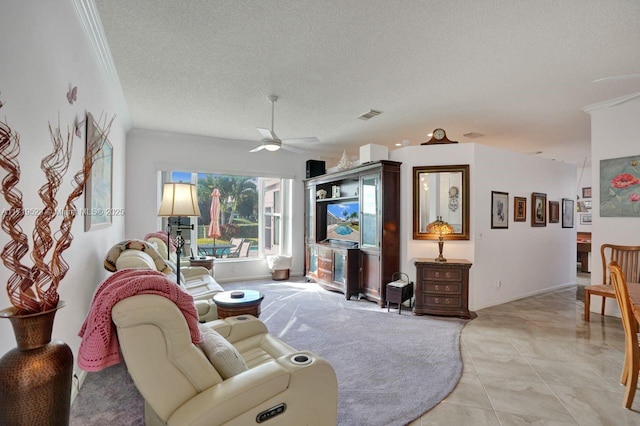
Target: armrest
234,396
234,329
194,271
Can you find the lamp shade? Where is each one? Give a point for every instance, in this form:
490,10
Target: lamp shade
439,227
179,199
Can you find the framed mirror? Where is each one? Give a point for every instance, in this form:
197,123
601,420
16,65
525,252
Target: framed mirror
441,191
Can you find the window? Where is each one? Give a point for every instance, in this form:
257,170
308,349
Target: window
250,208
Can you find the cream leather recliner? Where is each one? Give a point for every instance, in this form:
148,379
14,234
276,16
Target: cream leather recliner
139,254
182,387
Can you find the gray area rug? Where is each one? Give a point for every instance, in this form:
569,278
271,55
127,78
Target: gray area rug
391,368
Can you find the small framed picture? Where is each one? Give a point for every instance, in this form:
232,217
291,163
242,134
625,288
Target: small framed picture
519,209
586,192
585,219
499,210
554,212
587,204
567,213
538,209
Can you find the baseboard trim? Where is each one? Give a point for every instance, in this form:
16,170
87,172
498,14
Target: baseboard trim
76,383
524,296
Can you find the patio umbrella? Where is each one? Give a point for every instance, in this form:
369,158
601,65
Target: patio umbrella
214,226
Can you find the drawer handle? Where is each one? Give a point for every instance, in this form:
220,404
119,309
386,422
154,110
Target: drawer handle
437,287
446,287
448,275
446,301
437,274
436,300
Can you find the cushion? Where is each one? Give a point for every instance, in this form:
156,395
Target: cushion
135,259
224,357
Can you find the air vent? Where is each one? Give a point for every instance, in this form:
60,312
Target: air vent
473,135
369,114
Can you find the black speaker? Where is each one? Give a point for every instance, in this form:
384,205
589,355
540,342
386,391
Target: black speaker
315,168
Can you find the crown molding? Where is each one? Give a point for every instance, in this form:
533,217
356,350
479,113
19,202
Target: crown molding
90,20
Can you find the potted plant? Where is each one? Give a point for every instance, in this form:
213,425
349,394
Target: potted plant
35,377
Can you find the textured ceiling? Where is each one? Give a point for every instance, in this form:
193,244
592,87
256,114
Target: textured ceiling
516,72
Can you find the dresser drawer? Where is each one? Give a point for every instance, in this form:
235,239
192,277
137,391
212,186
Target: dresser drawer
442,287
436,274
442,301
325,253
325,264
325,275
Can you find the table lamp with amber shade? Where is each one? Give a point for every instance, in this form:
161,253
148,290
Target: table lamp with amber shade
441,228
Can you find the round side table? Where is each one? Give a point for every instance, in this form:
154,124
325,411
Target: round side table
238,302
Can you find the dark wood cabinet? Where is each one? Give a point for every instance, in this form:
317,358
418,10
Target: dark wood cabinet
442,288
338,268
354,210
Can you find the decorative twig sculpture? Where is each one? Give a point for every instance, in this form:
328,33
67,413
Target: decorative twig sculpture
34,289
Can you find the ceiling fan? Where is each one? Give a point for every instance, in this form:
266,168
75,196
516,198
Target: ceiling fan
271,142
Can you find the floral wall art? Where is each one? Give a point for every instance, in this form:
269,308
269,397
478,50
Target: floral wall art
620,187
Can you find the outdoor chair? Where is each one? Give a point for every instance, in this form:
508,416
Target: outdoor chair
242,251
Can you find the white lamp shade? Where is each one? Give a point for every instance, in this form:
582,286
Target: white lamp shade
179,199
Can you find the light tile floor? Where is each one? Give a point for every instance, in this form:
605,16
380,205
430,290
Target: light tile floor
535,361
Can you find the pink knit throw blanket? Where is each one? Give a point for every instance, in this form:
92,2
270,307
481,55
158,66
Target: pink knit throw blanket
99,346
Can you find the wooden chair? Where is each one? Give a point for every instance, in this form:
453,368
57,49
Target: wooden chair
630,319
628,258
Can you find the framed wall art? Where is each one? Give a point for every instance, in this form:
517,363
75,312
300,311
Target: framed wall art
568,213
499,210
585,219
538,209
519,209
586,192
554,212
620,187
98,188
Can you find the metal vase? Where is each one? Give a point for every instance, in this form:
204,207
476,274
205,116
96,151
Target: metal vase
36,376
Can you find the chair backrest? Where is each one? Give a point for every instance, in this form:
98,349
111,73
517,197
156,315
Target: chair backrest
626,257
245,247
622,295
236,244
167,368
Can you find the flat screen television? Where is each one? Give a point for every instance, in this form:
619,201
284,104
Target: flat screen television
343,221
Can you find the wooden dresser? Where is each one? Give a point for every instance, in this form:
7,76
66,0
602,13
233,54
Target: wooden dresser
442,288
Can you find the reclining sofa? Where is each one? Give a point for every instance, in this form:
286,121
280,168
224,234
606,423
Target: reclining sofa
239,374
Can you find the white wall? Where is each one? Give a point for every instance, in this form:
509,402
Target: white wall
150,151
526,260
44,50
614,134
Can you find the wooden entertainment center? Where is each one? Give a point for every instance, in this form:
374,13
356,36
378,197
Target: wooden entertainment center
352,229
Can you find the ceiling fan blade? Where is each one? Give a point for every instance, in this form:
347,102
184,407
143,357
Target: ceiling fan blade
624,99
292,149
302,140
616,77
258,148
267,134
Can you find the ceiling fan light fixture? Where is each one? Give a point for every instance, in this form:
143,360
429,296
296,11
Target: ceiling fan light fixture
271,146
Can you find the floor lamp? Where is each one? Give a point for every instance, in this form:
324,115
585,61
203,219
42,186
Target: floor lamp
178,200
